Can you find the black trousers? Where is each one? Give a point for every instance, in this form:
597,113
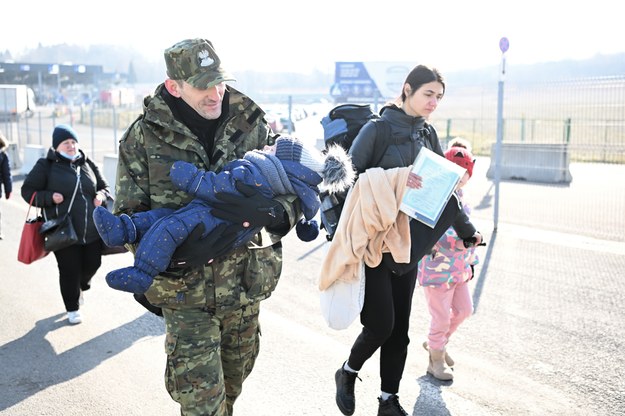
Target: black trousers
77,265
385,318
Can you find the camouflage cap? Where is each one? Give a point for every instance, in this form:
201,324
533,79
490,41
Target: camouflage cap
196,62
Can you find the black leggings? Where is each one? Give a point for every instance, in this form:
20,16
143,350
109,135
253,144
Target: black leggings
77,265
385,318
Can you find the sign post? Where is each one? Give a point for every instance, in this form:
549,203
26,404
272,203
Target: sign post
504,44
368,82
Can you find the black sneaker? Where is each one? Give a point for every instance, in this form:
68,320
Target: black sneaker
390,407
345,399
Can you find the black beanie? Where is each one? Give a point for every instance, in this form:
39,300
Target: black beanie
61,133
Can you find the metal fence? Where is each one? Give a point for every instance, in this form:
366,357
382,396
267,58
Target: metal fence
583,120
587,115
569,134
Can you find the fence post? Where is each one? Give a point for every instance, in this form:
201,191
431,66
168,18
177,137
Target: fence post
92,136
27,129
114,130
503,45
290,129
39,122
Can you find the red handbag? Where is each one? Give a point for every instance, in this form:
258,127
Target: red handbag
31,242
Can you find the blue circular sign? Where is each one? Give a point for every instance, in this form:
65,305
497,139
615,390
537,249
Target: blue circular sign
504,44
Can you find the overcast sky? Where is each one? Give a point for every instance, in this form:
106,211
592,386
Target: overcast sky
301,36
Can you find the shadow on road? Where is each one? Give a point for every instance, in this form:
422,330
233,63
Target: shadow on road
311,251
44,367
430,401
479,285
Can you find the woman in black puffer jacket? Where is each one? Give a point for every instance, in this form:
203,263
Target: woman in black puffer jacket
389,287
54,179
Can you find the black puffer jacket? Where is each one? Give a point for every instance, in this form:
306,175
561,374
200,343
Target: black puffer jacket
6,180
54,173
404,152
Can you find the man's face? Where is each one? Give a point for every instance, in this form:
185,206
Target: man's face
206,102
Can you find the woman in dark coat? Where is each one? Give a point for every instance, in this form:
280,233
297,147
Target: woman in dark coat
385,314
54,179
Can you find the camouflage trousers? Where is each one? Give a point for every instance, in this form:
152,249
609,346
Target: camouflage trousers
209,355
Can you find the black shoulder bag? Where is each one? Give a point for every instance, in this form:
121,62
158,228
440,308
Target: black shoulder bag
59,233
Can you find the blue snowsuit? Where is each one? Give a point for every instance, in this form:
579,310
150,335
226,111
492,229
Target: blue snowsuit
161,231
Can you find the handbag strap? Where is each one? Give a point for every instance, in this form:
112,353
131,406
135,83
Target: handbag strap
71,203
30,205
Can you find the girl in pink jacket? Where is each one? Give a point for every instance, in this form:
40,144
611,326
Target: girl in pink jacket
444,275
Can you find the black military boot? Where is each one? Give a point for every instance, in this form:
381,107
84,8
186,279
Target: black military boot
345,399
390,407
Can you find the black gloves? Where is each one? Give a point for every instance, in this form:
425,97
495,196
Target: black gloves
140,297
252,210
197,251
249,210
470,242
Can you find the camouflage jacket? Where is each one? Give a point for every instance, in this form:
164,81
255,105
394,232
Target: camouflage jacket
146,152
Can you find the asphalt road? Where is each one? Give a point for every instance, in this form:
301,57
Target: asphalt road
547,336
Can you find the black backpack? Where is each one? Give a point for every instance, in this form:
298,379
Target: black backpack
341,126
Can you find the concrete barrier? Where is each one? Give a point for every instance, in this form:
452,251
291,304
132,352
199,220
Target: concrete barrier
534,162
15,161
110,171
32,153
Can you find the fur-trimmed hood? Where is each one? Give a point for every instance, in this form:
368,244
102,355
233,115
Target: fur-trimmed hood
338,173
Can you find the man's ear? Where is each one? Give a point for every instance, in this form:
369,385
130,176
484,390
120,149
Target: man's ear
172,87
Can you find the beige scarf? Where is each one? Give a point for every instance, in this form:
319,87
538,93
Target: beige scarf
370,224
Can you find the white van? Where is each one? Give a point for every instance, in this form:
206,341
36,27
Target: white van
16,101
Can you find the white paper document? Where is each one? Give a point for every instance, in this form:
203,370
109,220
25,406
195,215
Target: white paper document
439,178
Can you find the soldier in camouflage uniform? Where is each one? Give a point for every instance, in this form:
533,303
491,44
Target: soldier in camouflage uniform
210,306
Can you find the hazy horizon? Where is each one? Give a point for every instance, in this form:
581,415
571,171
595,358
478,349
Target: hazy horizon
272,36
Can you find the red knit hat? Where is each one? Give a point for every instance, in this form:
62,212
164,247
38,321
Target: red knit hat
461,157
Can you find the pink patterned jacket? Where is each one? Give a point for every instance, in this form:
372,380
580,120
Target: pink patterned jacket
447,264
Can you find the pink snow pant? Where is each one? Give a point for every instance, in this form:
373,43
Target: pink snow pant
449,307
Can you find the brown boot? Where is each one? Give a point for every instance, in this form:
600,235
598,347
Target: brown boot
448,360
437,367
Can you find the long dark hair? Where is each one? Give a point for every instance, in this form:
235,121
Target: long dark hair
421,74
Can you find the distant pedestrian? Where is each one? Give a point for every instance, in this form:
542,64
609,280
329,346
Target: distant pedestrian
66,178
444,275
6,180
